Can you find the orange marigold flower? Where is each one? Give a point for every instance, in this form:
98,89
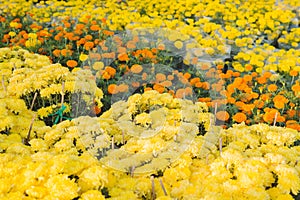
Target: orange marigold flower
144,76
88,37
123,57
293,124
95,27
247,78
236,74
106,75
95,56
122,88
239,117
180,93
161,47
261,80
259,103
72,63
204,99
293,73
272,88
159,88
122,50
135,84
254,74
79,26
231,100
166,83
66,52
198,85
112,89
296,88
56,52
254,95
109,33
111,71
96,109
248,67
265,97
240,104
248,107
187,75
136,68
89,45
280,101
193,81
267,74
291,113
205,85
188,91
222,115
160,77
170,77
147,89
269,116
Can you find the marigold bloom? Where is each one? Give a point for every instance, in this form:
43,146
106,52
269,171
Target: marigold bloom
188,91
159,88
109,33
293,73
180,93
123,57
160,77
96,109
222,115
170,77
106,75
296,88
147,89
193,81
135,84
280,101
95,27
56,52
144,76
136,68
72,63
110,70
166,83
89,45
66,52
239,117
291,113
122,88
248,67
293,124
272,88
112,89
88,37
247,78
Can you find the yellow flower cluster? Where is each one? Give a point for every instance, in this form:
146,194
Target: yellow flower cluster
16,118
12,59
32,41
23,77
290,40
153,130
256,162
268,59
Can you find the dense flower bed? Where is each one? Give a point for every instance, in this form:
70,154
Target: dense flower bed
150,99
